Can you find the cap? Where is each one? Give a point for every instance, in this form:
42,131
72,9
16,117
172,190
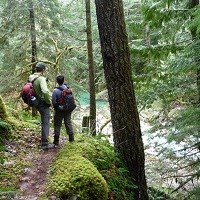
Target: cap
40,65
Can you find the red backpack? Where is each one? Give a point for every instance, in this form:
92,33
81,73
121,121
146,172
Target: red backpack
67,99
28,93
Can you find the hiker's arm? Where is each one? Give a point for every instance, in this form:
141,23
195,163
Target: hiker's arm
54,99
45,91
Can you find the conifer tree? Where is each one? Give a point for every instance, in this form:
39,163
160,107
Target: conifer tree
117,68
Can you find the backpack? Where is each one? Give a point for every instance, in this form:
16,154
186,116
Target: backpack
66,100
28,94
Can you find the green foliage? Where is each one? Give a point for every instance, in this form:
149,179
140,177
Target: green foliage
165,56
195,193
9,178
7,192
13,161
5,130
5,127
159,194
165,60
187,121
195,19
103,156
60,32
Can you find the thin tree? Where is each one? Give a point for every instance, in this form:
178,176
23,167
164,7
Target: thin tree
33,43
117,68
91,69
33,35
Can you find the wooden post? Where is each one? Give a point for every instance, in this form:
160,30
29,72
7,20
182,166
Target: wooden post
85,124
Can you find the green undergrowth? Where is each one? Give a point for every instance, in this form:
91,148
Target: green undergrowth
160,193
11,170
19,131
7,192
80,164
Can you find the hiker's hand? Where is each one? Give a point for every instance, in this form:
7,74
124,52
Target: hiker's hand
60,107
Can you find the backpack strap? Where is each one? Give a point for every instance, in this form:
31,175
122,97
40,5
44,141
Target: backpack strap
61,98
33,85
34,79
60,88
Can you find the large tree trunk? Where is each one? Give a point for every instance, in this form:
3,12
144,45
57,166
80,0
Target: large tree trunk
91,70
117,68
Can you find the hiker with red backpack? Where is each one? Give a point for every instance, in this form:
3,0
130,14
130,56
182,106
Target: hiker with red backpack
63,103
43,102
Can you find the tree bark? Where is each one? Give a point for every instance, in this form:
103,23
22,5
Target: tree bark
91,70
117,68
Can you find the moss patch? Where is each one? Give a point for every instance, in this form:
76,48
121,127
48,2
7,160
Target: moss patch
3,113
77,176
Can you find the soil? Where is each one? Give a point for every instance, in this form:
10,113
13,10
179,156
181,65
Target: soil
33,183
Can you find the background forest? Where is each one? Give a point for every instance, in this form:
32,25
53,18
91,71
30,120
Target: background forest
164,47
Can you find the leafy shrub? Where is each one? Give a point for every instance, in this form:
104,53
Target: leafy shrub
158,193
195,193
77,176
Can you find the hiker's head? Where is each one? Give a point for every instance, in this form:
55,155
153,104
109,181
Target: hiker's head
60,79
40,67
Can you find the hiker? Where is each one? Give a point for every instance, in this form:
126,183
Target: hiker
61,113
43,102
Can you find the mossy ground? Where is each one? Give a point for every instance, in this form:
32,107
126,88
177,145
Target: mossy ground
101,156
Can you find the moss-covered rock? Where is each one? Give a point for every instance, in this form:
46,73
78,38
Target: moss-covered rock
77,176
97,150
103,156
5,128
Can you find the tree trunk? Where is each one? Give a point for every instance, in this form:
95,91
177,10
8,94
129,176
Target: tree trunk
117,68
91,70
33,35
33,43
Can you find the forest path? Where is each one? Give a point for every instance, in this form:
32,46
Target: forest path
32,183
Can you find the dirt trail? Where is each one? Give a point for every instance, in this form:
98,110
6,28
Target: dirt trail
33,182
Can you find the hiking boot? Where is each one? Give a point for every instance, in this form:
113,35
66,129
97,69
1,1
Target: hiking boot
56,143
48,146
56,140
71,138
57,146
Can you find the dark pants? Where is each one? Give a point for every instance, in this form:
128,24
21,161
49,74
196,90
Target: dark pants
58,118
45,123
